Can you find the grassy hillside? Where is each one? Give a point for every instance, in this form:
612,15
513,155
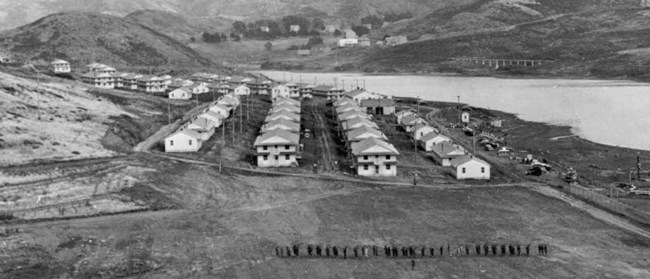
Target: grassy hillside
83,37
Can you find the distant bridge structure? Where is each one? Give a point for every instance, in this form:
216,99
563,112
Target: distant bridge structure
498,62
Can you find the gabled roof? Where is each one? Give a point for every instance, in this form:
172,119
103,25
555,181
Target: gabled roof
419,126
290,101
149,78
282,114
357,120
351,114
97,75
373,146
182,89
59,61
355,93
203,123
211,114
353,134
279,137
459,161
373,103
350,107
343,101
324,87
282,122
432,135
445,148
404,112
188,132
221,107
286,107
410,120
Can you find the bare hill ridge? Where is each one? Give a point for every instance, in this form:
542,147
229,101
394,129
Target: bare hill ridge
82,37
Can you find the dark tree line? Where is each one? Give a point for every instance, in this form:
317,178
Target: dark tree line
271,29
214,38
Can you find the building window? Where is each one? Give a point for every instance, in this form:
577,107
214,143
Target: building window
276,147
277,157
190,142
286,147
463,170
387,157
265,147
171,143
387,167
266,157
376,156
482,169
287,157
365,167
365,157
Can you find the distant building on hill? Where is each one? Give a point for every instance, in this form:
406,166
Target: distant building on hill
347,42
304,52
265,29
294,28
59,66
396,40
350,34
330,28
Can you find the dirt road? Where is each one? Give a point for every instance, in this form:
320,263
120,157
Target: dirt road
321,131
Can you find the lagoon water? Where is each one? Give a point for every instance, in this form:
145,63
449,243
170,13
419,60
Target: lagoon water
603,111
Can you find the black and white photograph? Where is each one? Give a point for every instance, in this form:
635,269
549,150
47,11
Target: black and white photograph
344,139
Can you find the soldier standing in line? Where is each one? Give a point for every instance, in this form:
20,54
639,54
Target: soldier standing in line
441,250
423,251
386,251
494,249
309,250
478,249
539,249
503,249
466,250
277,251
327,251
288,251
432,251
412,264
486,249
528,250
335,251
296,250
518,250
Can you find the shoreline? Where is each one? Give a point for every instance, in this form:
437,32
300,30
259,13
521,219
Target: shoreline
460,75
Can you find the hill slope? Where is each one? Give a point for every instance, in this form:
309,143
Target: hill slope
84,37
16,13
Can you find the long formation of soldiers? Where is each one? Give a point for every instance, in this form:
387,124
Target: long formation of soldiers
347,252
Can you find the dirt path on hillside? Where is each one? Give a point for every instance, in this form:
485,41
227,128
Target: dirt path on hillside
160,135
591,210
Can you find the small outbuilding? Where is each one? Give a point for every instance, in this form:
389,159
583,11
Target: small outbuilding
470,167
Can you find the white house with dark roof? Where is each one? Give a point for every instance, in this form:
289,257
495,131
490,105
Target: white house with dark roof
470,167
99,80
216,118
379,106
374,157
428,141
199,88
283,115
130,81
185,140
277,148
203,126
281,124
328,91
421,129
229,100
446,151
401,114
241,90
280,91
221,109
408,122
151,84
358,95
59,66
183,93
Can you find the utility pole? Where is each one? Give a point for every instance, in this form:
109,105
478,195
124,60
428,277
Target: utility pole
459,114
197,100
233,130
241,120
169,113
415,142
638,167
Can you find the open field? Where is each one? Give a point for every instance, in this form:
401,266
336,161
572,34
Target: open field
232,223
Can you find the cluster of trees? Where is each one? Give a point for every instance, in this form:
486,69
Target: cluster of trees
282,28
214,38
313,41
